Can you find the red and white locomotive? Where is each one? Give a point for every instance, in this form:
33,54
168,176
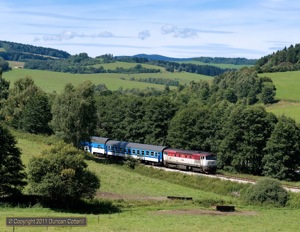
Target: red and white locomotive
190,160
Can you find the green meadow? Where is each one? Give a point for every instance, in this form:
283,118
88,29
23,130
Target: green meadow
55,81
287,85
287,93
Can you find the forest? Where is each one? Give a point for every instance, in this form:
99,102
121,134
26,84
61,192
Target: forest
287,59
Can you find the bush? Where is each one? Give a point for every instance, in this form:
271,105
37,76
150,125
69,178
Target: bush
266,192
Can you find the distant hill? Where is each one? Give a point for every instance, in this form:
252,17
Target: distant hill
287,59
23,52
159,57
204,59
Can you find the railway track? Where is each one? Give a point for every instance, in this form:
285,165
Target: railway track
224,177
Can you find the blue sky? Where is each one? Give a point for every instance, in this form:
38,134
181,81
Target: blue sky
176,28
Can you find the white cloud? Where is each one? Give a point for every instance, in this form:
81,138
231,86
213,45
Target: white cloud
144,34
67,35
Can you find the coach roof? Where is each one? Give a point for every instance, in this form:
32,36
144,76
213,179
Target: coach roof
135,145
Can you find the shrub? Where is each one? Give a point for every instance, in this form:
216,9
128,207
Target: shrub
266,192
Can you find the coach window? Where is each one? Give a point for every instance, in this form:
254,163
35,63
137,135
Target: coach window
147,153
143,153
138,152
129,151
152,153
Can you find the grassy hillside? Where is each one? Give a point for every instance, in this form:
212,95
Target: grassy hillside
55,81
287,93
287,84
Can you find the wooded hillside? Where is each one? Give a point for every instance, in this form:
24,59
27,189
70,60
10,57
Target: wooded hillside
287,59
22,52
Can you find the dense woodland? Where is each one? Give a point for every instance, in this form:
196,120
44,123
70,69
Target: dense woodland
287,59
22,52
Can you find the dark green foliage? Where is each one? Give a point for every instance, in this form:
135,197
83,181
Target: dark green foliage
225,60
266,192
27,107
135,119
282,156
159,81
74,113
12,173
234,85
244,136
61,174
4,87
287,59
4,66
82,63
23,52
36,115
190,128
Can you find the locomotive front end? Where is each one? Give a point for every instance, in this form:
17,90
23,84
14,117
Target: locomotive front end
210,163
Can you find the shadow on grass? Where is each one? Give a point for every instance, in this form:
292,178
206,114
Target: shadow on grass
70,206
105,160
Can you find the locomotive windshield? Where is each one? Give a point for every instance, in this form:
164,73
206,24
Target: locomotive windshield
211,157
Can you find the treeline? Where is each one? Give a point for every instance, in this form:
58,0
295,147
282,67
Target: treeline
222,117
287,59
224,60
22,52
136,69
159,81
84,64
208,70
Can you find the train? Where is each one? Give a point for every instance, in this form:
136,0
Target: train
188,160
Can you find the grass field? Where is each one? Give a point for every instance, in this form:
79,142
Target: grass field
143,206
55,81
290,109
287,92
287,85
127,65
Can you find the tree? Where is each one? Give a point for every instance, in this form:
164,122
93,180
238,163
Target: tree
283,150
61,174
11,168
4,86
158,113
27,107
244,138
36,115
4,66
190,128
74,113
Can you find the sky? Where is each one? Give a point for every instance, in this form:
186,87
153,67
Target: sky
174,28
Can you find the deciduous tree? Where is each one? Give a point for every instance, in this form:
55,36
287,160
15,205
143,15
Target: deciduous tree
61,174
283,150
74,113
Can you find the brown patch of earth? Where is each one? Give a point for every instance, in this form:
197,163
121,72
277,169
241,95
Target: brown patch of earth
203,212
